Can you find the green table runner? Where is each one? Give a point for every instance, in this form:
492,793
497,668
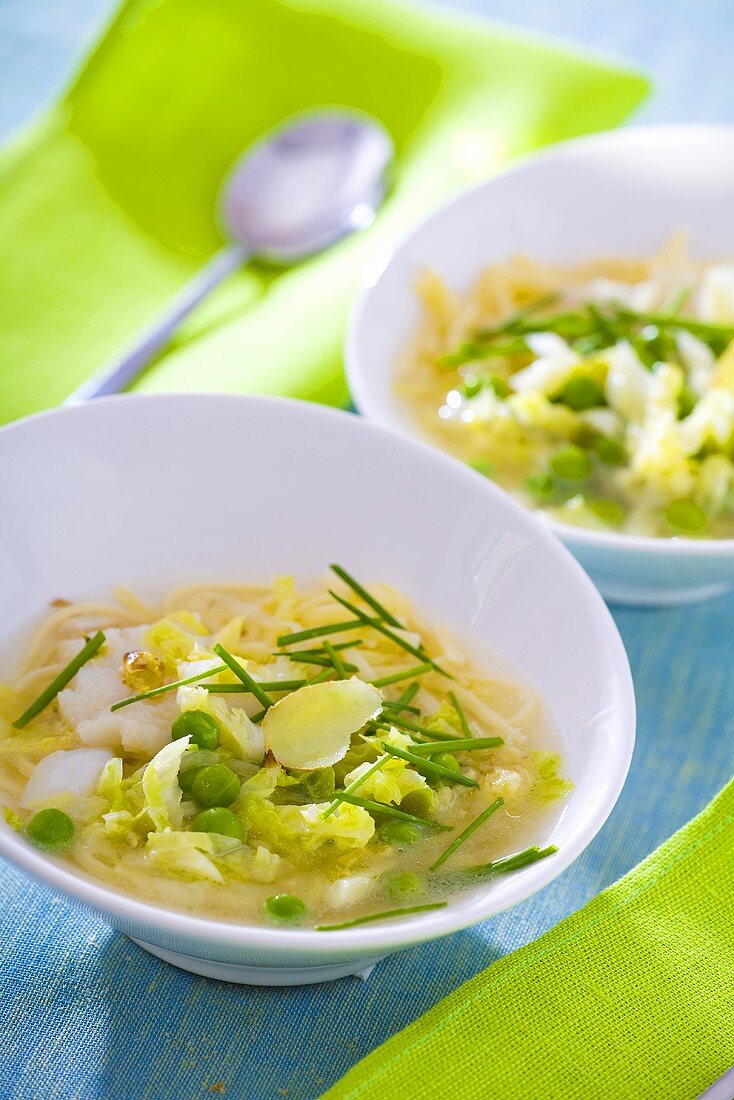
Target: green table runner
631,998
108,202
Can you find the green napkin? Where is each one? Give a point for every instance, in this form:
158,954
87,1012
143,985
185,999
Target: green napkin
108,202
631,997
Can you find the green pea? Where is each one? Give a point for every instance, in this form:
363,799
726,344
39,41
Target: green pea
51,829
685,515
447,761
483,467
215,785
406,885
419,802
186,778
219,820
607,510
285,909
400,833
581,392
610,451
200,727
571,463
686,403
541,485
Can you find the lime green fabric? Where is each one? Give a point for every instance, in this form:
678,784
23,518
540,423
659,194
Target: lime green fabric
108,202
632,997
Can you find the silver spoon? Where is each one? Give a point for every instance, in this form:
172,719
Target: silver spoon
298,190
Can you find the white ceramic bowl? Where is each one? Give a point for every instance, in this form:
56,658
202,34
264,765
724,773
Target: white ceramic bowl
623,192
151,491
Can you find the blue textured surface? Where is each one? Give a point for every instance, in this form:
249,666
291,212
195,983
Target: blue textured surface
85,1013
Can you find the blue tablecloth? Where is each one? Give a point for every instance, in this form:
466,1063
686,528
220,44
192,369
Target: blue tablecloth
87,1014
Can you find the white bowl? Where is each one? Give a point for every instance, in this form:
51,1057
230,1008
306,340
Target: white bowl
624,193
152,491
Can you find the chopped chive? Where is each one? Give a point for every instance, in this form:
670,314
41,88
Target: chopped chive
468,744
679,299
400,706
510,863
376,624
336,661
416,670
413,727
169,687
272,685
368,598
59,682
309,659
319,631
382,916
431,766
408,695
705,329
515,318
388,810
460,715
467,832
262,696
355,785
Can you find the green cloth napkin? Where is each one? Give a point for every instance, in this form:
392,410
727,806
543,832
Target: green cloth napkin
631,998
108,202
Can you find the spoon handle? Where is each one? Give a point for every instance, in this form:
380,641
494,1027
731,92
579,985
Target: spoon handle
117,375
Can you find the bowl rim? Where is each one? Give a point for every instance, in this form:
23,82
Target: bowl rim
367,938
358,374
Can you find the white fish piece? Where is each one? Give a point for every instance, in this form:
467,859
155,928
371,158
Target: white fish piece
66,771
85,705
344,893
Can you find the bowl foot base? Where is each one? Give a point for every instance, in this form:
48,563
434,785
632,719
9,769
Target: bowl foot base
257,975
634,595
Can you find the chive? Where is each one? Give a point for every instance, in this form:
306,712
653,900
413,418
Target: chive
59,682
400,706
317,659
518,316
319,631
679,299
274,685
704,329
388,810
467,832
262,696
169,687
435,735
469,744
408,694
460,715
381,916
431,766
379,626
416,670
511,863
336,661
374,603
355,785
606,325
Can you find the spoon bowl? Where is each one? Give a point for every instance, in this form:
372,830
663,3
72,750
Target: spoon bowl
304,186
